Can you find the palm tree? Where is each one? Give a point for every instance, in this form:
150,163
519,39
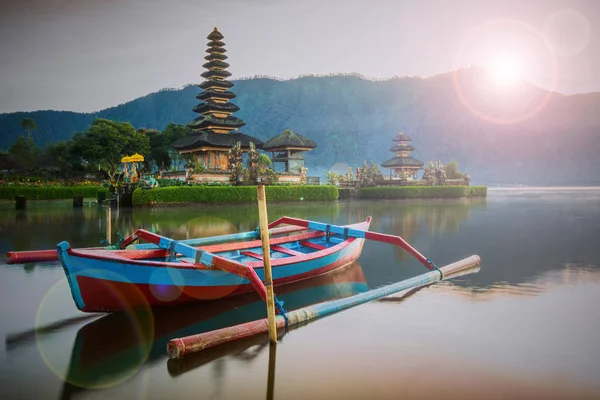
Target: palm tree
264,162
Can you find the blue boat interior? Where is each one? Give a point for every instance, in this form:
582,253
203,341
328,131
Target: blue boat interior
283,250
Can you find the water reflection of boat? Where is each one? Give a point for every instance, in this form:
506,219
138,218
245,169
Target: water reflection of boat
112,348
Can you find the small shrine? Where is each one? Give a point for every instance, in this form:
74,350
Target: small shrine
288,149
402,166
215,129
130,168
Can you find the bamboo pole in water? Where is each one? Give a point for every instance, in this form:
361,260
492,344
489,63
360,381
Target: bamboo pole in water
264,229
271,374
179,347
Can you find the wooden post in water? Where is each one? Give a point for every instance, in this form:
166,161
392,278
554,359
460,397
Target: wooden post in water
108,224
78,200
264,234
20,202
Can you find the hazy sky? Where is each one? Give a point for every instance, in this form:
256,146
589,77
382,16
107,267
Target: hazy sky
85,55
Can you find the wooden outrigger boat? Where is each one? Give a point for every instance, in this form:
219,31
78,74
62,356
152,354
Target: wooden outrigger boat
163,272
168,272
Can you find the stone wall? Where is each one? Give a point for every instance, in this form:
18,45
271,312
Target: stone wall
211,177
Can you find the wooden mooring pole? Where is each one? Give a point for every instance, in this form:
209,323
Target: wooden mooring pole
264,230
108,224
20,202
271,374
77,201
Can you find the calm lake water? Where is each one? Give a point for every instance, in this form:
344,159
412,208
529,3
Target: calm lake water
526,326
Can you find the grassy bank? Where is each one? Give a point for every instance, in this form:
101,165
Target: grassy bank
422,192
9,192
232,194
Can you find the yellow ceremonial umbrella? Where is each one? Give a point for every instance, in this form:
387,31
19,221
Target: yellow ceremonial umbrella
126,159
136,158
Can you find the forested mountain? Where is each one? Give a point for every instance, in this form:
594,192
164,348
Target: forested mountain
519,134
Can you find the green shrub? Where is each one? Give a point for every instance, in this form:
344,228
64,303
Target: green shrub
49,192
302,193
478,191
166,182
418,192
232,194
101,195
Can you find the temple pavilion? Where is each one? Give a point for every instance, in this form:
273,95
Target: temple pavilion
215,128
288,148
402,163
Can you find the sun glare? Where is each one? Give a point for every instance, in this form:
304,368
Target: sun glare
514,56
505,71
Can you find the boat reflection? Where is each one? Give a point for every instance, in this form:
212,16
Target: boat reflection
109,350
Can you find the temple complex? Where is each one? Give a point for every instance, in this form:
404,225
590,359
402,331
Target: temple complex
288,148
215,128
402,165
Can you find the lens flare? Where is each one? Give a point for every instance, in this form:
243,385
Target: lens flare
119,343
166,284
568,32
512,51
505,71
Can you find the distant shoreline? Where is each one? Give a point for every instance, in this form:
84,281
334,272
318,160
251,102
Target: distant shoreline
542,188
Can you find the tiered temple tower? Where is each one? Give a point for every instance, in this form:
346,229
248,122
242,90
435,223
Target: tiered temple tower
402,163
215,129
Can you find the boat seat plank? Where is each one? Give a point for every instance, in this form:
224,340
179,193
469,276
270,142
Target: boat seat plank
252,254
218,248
286,250
312,245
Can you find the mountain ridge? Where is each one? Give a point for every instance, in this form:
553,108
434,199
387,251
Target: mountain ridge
353,119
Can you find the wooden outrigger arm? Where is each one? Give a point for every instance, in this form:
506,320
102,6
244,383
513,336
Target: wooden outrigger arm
357,233
179,347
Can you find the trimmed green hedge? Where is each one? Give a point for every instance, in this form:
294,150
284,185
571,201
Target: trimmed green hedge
49,192
419,192
231,194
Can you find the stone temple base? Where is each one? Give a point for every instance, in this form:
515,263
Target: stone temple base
211,177
289,179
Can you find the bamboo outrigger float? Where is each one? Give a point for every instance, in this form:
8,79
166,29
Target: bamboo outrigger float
179,347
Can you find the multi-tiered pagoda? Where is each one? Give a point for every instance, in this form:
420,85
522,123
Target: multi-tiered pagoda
215,129
402,165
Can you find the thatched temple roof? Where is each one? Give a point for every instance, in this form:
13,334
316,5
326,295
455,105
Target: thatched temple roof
288,138
212,139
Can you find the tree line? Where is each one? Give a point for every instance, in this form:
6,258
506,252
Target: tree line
99,148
